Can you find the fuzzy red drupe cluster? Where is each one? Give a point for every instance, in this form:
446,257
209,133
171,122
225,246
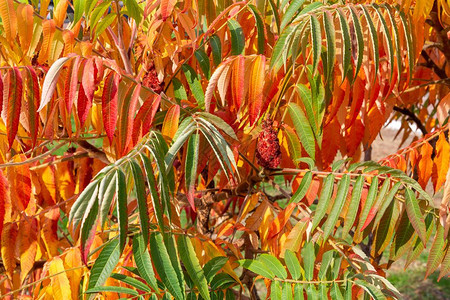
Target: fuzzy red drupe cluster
268,152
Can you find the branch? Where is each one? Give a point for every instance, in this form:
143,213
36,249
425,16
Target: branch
413,117
94,151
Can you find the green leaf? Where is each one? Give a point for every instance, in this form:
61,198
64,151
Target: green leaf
164,266
143,262
191,166
290,13
386,202
371,195
179,140
178,90
402,238
331,43
436,251
134,10
292,264
273,264
409,43
213,266
103,24
324,201
316,40
377,203
195,86
336,292
221,280
88,226
396,39
279,48
78,8
203,61
192,265
415,215
388,37
257,267
141,198
275,290
286,291
345,31
237,37
359,39
219,123
122,214
106,195
298,291
216,48
303,129
385,228
259,28
79,207
342,191
307,100
131,281
374,39
309,258
112,289
325,264
372,290
353,206
104,264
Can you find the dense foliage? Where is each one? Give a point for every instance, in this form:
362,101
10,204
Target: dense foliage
211,149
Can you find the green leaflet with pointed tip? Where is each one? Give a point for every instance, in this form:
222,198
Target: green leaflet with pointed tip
219,123
203,61
259,28
386,202
273,264
79,207
286,291
195,86
292,264
403,238
338,204
436,251
143,262
131,281
372,290
387,35
298,291
134,10
257,267
112,289
445,266
179,140
279,48
371,196
374,39
191,166
78,8
213,266
106,195
385,229
336,292
396,40
164,266
324,201
303,128
418,247
316,40
353,206
308,103
409,43
88,226
192,265
331,43
377,203
141,198
178,90
237,37
221,280
415,215
122,202
327,259
309,258
104,264
216,48
345,31
359,39
290,13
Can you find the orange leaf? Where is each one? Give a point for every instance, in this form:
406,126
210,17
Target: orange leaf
25,25
27,245
60,282
127,112
280,222
144,118
9,237
48,31
19,179
425,164
238,81
3,200
72,259
60,11
167,8
170,125
14,103
256,87
9,19
71,83
33,98
441,162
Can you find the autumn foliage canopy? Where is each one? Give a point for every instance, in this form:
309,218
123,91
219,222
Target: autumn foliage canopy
221,149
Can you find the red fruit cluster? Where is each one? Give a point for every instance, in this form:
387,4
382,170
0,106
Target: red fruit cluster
151,80
268,153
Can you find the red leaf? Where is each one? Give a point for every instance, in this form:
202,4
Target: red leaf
358,90
167,8
33,103
425,165
19,179
14,104
237,81
109,104
144,117
3,200
127,112
84,105
71,84
9,237
1,93
88,79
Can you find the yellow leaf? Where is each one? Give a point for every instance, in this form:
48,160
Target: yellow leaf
441,162
48,31
60,282
9,19
60,11
170,125
72,259
9,237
